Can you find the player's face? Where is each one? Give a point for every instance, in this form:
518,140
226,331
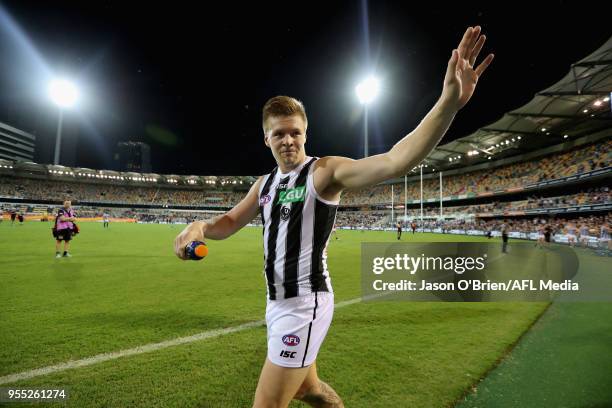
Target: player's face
286,136
67,204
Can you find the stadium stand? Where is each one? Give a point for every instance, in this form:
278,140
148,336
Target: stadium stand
475,202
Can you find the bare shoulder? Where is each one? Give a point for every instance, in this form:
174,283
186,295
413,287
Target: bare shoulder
324,169
257,184
328,165
331,162
324,176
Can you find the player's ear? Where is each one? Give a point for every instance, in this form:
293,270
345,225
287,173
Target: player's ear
266,140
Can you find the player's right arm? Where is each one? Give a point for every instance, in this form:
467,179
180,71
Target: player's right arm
222,226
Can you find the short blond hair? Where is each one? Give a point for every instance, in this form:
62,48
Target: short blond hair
283,106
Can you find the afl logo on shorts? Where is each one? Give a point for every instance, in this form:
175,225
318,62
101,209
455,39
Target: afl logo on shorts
285,212
264,200
291,340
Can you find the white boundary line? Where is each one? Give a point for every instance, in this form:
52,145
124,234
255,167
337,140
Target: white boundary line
147,348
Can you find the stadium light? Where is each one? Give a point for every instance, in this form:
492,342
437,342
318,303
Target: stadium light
64,94
367,91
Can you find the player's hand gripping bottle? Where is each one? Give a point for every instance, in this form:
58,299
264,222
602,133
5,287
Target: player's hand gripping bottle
196,250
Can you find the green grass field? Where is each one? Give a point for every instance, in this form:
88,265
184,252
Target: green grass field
124,288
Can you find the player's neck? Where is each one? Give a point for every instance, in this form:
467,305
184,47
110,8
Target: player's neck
286,168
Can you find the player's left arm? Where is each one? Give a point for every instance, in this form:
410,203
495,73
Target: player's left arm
459,84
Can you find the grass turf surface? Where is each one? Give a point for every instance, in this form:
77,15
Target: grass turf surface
124,288
565,360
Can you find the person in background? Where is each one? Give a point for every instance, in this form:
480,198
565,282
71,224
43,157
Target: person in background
64,229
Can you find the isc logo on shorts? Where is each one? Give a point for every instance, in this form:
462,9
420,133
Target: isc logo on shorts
291,340
288,354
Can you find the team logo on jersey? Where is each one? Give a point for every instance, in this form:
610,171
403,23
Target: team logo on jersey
285,212
291,340
264,200
292,195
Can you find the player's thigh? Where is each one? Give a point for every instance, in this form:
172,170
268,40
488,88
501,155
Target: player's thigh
278,385
310,382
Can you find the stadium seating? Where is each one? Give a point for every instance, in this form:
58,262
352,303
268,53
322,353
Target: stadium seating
511,176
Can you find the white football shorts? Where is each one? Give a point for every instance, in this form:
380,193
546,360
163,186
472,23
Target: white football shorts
297,327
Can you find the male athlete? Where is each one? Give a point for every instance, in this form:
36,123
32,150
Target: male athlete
298,202
399,230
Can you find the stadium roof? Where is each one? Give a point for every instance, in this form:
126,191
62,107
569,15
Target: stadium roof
578,105
81,173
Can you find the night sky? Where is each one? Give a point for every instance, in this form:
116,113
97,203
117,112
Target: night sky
191,82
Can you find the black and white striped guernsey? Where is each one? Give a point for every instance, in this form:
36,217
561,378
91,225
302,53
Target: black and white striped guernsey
297,224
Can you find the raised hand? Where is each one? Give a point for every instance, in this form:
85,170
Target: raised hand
461,76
